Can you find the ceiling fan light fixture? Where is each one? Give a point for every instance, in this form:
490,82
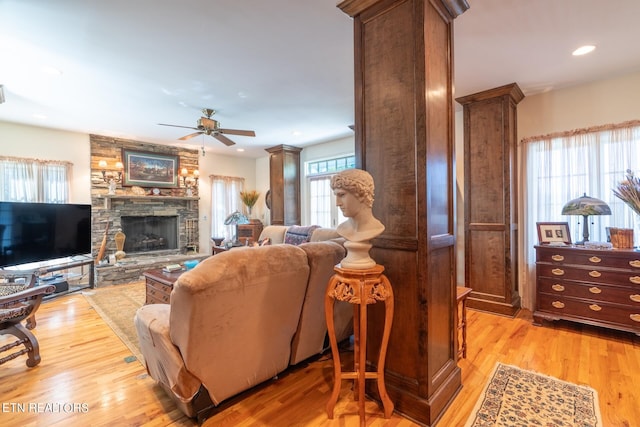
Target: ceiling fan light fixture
208,126
583,50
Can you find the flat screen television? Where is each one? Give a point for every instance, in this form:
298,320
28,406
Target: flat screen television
31,232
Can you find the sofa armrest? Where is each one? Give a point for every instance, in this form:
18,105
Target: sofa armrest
321,234
274,232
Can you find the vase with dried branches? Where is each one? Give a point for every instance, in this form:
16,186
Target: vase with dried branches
628,191
249,199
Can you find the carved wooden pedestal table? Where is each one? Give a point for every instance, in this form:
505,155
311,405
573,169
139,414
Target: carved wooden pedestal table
359,287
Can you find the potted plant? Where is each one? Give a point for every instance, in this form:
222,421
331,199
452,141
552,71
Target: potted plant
249,199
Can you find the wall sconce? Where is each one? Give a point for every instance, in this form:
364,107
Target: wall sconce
109,176
187,180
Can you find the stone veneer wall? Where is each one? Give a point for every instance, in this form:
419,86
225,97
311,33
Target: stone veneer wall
173,203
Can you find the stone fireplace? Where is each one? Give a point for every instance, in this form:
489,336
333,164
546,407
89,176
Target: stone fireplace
161,227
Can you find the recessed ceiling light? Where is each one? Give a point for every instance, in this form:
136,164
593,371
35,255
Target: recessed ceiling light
240,149
296,133
39,116
51,70
583,50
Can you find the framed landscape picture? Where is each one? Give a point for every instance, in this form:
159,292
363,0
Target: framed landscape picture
553,233
147,169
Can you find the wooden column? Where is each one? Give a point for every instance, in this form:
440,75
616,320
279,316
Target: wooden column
284,181
404,138
490,199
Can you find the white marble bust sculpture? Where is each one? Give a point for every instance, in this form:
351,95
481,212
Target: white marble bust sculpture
354,190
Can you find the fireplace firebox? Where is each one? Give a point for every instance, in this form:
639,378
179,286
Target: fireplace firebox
150,233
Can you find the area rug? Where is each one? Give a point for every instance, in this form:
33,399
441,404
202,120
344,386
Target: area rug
514,397
117,304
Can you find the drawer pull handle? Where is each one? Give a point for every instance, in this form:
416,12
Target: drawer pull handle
558,304
557,272
595,290
635,317
558,287
595,307
595,259
595,273
635,263
557,257
634,297
635,279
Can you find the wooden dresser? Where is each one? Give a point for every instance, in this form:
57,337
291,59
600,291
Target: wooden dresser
597,287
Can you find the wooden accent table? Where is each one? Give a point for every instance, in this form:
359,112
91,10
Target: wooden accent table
250,232
159,285
359,287
461,318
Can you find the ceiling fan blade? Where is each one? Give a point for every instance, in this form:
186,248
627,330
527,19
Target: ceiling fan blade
184,138
237,132
177,126
226,141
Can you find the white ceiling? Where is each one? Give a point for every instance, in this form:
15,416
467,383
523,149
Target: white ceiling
283,68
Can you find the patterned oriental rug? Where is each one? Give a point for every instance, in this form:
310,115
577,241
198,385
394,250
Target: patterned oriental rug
514,397
117,305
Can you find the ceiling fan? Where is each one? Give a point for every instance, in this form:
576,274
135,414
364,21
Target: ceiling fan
208,126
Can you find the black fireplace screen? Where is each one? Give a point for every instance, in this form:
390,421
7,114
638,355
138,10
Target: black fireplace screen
150,233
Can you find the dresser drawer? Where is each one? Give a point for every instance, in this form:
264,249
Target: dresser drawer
156,295
588,274
162,287
596,292
623,259
595,312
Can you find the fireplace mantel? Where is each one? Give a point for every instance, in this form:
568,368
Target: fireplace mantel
108,197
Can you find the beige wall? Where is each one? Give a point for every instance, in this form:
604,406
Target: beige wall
49,144
599,103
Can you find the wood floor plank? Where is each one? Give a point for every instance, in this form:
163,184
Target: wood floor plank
83,367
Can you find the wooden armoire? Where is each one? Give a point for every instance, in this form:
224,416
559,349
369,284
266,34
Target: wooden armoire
284,182
490,199
404,137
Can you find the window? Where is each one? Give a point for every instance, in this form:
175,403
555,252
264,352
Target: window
31,180
322,207
564,166
225,199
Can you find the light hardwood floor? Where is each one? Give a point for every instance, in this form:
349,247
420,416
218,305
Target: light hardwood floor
84,379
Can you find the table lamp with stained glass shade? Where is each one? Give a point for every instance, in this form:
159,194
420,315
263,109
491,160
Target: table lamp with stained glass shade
236,218
586,206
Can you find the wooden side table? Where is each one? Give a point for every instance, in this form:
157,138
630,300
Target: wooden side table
159,285
360,288
461,319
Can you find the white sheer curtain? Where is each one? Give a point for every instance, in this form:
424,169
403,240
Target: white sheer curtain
564,166
320,201
225,199
32,180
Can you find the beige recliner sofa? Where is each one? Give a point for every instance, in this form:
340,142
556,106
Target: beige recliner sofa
239,318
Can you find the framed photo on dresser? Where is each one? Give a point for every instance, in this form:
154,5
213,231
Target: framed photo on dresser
553,233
